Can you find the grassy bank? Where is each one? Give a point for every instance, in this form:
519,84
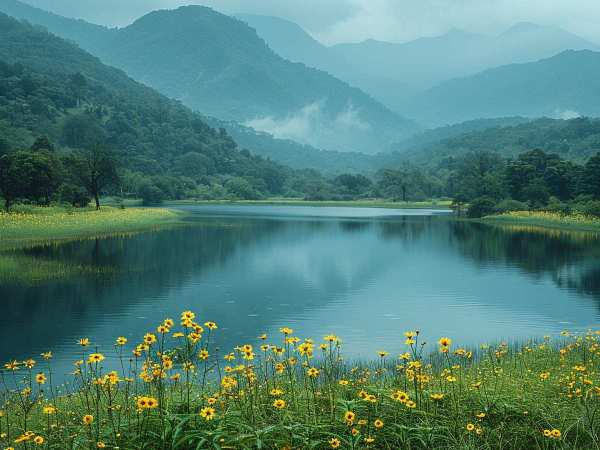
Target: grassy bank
575,222
174,390
370,203
31,225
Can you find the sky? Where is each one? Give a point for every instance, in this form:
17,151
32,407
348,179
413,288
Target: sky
335,21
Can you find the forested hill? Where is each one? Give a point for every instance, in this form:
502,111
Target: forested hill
89,36
51,87
220,67
574,139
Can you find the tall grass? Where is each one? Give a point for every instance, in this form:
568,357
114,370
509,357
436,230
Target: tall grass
174,390
574,221
31,225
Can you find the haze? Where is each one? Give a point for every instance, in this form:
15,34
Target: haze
356,20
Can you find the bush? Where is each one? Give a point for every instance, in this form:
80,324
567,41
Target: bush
151,194
590,208
482,206
74,195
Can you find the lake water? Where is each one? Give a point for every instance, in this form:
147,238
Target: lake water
364,274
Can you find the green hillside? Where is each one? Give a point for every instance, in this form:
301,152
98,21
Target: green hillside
53,88
218,65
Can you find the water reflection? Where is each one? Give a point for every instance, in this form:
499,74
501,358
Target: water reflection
366,275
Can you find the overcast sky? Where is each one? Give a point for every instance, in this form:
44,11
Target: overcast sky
333,21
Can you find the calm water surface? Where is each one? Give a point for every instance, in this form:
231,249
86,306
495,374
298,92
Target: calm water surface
364,274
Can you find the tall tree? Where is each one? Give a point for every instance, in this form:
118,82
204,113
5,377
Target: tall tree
96,170
591,177
28,174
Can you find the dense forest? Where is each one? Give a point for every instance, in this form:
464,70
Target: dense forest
52,92
575,139
73,129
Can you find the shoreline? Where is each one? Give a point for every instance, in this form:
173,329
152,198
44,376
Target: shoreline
441,204
553,221
31,226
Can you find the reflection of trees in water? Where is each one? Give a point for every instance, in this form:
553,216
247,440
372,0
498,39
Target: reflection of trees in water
570,259
144,265
406,228
355,226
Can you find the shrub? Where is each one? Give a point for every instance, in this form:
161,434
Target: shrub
482,206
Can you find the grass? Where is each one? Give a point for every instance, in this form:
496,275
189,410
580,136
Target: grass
367,203
27,226
174,390
546,219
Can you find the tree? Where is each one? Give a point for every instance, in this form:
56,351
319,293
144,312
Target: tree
12,183
150,194
591,177
74,195
81,131
458,204
353,185
31,175
96,170
42,143
482,206
241,189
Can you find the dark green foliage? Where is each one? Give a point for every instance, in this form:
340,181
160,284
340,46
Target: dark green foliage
150,194
407,183
353,185
535,180
95,169
218,65
575,140
480,207
241,189
591,176
33,175
74,195
88,104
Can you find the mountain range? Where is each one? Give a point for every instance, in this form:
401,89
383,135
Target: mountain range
280,93
562,86
50,87
398,73
218,65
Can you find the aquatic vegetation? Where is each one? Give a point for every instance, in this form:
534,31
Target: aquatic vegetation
34,225
575,221
175,389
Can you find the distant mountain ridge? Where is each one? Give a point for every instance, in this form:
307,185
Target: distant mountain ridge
425,62
395,72
219,66
563,86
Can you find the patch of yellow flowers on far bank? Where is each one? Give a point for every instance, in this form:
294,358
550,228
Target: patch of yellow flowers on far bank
552,217
175,376
53,221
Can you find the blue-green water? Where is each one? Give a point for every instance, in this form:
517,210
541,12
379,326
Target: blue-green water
364,274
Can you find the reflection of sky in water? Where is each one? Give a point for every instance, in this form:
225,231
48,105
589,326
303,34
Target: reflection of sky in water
367,279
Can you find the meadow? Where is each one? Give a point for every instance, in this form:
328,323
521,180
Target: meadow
173,389
548,219
31,225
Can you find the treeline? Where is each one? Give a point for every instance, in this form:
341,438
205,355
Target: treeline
44,173
533,180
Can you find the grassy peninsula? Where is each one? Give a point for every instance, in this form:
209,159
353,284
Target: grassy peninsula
546,219
28,225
